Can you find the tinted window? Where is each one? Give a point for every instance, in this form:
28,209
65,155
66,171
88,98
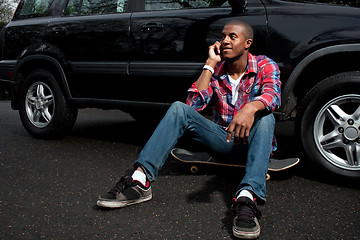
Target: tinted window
156,5
94,7
34,8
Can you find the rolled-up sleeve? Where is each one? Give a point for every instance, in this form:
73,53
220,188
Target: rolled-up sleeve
198,99
270,86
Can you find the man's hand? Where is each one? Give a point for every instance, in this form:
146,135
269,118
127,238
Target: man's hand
243,121
214,54
214,57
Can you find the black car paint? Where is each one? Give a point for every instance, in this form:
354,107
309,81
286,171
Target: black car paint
141,58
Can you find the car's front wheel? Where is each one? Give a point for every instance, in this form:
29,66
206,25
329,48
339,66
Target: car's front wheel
330,124
43,110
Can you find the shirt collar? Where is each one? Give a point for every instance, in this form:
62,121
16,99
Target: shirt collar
220,69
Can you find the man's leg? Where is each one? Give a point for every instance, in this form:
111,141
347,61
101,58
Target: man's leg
259,151
253,185
178,119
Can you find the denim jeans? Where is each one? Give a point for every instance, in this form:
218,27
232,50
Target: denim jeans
181,118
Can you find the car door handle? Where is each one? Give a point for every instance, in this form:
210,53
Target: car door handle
58,30
151,27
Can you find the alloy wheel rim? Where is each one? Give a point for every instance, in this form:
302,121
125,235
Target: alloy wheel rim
337,131
40,104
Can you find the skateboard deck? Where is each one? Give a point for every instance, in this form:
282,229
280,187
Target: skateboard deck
196,158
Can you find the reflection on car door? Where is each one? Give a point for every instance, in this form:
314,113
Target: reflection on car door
170,44
102,29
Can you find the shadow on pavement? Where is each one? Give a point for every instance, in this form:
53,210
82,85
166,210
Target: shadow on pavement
116,126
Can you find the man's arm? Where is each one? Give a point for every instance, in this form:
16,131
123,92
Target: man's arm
214,57
200,93
243,121
269,99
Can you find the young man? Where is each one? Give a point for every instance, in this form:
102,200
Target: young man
246,89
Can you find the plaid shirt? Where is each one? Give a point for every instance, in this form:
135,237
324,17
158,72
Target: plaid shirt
261,82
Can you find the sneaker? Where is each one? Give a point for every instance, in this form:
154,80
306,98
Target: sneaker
246,224
126,192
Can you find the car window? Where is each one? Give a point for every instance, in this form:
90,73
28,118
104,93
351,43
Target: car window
34,8
158,5
94,7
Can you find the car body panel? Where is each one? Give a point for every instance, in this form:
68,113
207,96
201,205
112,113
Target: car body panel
118,59
173,56
101,69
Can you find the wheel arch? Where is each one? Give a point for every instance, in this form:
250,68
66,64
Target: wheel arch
26,65
314,68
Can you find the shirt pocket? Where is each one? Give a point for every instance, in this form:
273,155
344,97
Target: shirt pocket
249,88
221,93
253,89
249,85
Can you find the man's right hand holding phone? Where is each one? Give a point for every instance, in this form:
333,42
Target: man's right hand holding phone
214,57
214,54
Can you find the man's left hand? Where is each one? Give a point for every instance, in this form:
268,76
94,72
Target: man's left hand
242,122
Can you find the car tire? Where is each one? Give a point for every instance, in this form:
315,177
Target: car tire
43,109
329,124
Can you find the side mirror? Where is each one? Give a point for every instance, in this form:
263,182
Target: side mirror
238,6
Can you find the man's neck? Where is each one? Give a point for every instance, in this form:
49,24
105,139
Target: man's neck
238,67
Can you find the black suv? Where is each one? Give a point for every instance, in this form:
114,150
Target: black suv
141,55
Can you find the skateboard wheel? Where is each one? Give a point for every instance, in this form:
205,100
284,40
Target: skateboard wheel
267,176
194,169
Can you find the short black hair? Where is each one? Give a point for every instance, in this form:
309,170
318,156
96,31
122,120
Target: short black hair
249,32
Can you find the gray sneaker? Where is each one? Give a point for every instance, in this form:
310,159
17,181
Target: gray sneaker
126,192
246,224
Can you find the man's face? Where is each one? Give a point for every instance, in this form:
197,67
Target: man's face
234,42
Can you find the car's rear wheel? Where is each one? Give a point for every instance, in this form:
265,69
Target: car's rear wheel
330,124
43,110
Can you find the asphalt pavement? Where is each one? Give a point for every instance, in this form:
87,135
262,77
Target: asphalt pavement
49,188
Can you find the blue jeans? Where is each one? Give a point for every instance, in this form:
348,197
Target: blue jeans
181,118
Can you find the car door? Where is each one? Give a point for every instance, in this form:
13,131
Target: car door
93,37
169,42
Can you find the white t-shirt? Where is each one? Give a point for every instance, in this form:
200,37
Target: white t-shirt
235,83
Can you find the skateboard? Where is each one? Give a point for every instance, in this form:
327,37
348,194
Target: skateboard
197,158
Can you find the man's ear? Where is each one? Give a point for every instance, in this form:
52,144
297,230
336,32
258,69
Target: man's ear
248,43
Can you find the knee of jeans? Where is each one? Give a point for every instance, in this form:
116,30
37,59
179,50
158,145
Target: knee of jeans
176,106
266,122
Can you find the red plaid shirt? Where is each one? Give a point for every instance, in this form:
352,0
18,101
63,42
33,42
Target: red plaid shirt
260,82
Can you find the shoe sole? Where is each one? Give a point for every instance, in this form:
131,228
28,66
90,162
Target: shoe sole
246,235
117,204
